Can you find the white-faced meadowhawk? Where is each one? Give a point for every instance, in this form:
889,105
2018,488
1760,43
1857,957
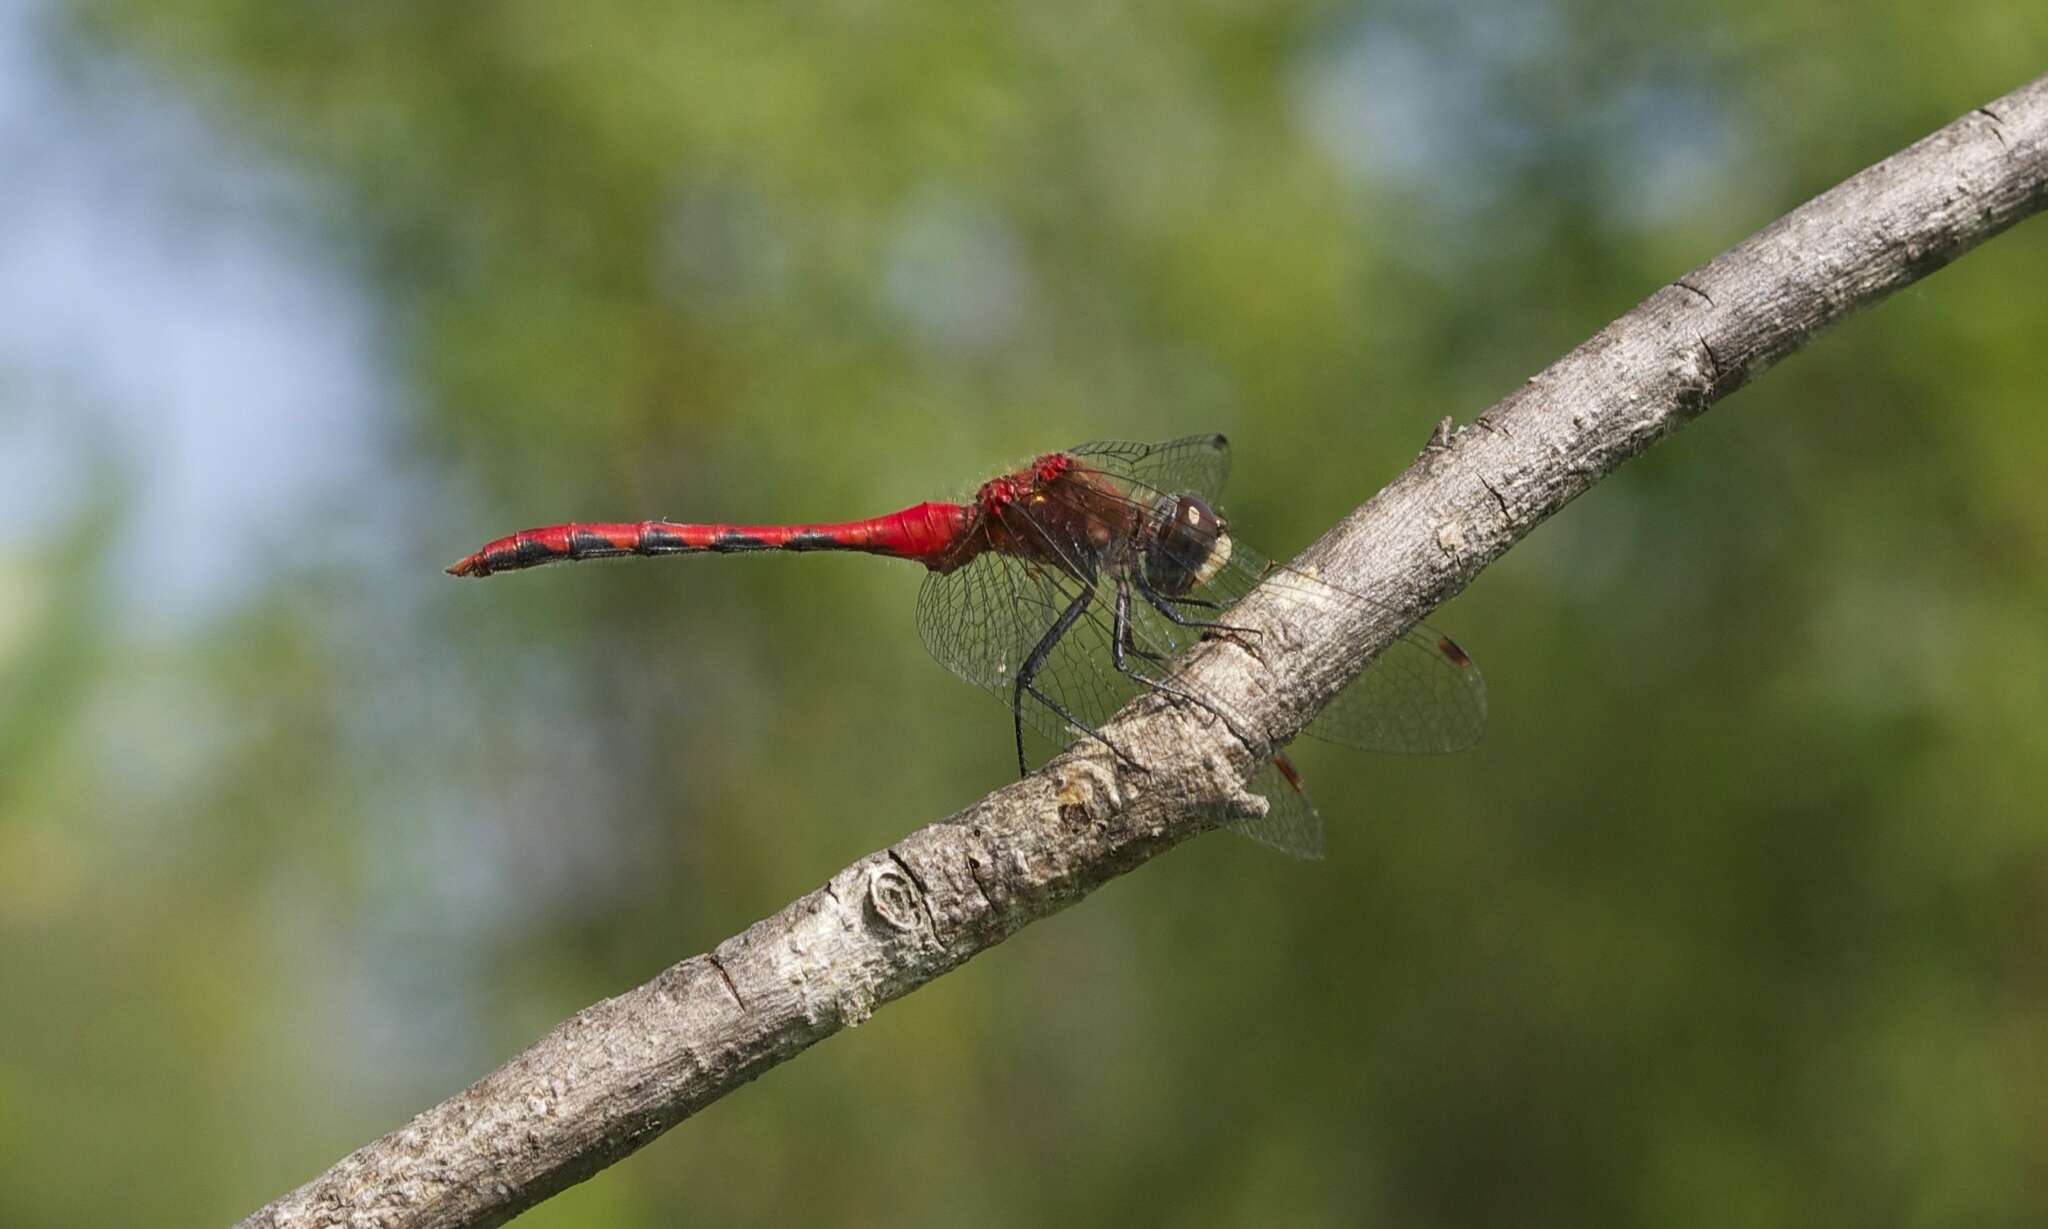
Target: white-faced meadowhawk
1067,587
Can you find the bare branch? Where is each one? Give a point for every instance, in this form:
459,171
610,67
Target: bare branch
619,1073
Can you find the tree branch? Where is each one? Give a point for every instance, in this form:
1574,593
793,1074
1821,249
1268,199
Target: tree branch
621,1072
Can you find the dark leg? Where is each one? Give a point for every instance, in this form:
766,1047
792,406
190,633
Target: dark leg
1122,644
1035,661
1120,637
1165,605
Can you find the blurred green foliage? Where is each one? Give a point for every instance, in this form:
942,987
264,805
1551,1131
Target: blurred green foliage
1737,917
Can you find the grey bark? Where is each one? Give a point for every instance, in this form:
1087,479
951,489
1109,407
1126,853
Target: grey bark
621,1072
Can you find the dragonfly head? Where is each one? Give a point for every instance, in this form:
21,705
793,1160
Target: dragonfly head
1189,546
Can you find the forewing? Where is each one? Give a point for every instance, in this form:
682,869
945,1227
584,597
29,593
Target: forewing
1421,696
1191,465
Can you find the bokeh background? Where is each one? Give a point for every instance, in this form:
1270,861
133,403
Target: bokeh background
1738,917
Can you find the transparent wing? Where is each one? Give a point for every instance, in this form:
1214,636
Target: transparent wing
982,621
1421,696
1191,465
1290,823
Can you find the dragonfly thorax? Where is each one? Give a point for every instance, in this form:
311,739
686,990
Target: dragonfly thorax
1188,545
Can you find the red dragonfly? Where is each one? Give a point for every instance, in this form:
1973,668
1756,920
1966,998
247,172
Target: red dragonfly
1070,585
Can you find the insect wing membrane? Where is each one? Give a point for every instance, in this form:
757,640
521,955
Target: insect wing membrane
1420,696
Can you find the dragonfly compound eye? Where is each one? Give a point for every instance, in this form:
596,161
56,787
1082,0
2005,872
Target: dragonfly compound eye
1188,547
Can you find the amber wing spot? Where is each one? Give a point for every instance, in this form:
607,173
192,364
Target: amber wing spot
1449,648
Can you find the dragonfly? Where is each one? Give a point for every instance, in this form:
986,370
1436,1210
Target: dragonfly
1073,584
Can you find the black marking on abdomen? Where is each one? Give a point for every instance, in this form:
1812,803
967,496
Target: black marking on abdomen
812,541
658,541
529,551
731,542
587,545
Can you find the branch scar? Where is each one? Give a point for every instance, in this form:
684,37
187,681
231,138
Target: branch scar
1997,124
1505,517
924,895
730,987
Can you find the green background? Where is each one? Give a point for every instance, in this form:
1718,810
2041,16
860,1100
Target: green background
1739,916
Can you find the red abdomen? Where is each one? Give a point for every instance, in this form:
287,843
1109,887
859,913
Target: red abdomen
934,534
